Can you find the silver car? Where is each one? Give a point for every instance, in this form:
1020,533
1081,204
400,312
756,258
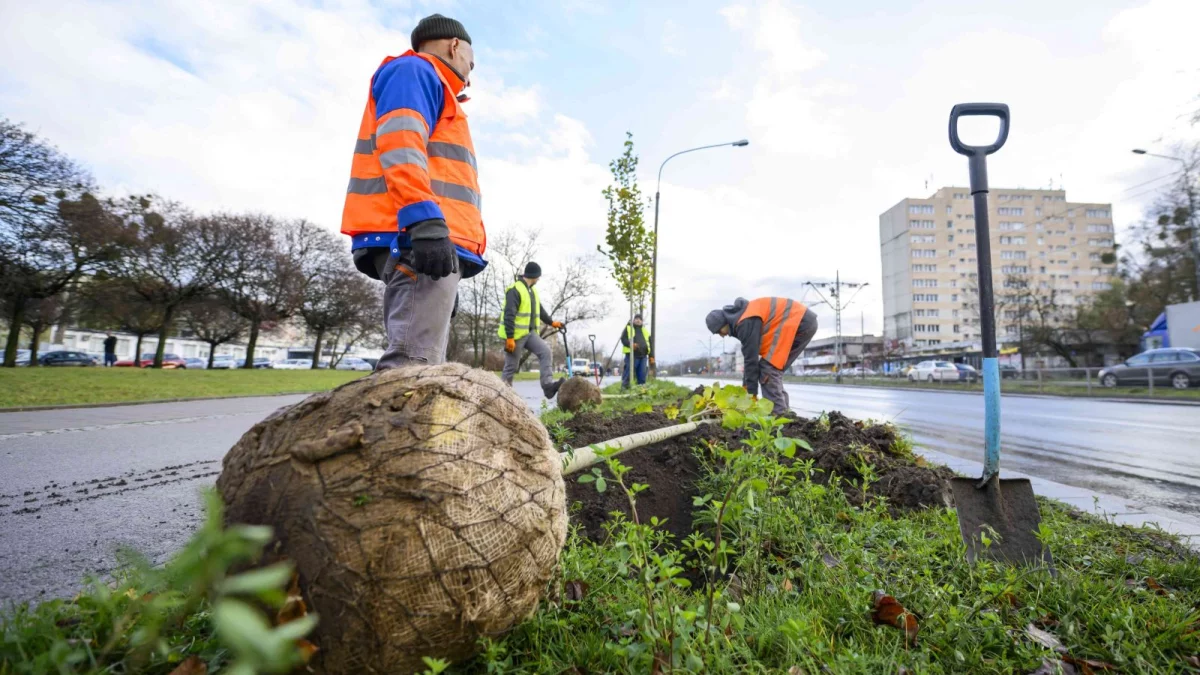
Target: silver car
1179,368
928,371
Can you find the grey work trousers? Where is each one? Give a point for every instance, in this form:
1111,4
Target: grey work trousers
771,378
416,313
534,343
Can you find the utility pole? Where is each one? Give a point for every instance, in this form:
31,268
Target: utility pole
835,291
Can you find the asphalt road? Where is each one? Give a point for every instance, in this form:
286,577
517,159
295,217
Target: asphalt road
78,485
1145,452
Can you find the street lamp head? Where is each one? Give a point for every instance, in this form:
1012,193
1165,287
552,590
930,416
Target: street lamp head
1139,151
741,144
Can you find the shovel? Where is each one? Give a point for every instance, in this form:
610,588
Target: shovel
998,518
595,363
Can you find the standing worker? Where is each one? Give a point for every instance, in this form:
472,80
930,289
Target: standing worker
412,208
110,350
635,342
773,332
519,329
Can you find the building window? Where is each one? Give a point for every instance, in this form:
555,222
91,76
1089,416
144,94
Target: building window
923,238
1011,210
1099,228
924,283
1002,198
960,195
920,209
1097,213
1100,242
1101,286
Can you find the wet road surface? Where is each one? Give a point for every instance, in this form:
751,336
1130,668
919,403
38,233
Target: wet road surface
78,484
1149,453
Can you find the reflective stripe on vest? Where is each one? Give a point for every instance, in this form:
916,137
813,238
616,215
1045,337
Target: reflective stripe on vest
446,156
528,312
781,318
629,334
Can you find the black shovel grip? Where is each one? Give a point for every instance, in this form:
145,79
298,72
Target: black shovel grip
978,109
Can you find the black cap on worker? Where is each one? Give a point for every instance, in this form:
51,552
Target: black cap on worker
532,271
438,27
637,317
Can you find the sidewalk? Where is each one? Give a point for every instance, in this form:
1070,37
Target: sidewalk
1115,509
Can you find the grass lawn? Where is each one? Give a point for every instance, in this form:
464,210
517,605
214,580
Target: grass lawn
73,386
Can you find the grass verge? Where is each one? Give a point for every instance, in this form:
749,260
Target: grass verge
21,387
801,580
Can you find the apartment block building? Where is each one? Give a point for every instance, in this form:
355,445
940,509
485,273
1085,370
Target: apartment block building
1038,238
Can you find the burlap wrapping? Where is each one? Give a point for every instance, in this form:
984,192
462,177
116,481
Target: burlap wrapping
423,507
576,392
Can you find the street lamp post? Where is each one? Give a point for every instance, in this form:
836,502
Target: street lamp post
654,262
1191,196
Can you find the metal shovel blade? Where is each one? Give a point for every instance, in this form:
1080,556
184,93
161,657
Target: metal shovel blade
1004,511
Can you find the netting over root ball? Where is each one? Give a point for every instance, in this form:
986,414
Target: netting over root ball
423,507
576,392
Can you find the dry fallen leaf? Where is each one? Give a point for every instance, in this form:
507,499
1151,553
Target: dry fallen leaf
307,649
1088,666
1153,585
1047,621
1043,638
830,560
576,590
293,607
787,585
192,665
796,670
886,610
1193,661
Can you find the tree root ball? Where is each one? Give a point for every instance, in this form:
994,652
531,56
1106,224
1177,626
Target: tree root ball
577,391
423,508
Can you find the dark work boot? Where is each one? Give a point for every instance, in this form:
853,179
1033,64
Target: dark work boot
552,390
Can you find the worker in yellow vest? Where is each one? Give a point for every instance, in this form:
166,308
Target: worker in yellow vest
773,332
635,343
519,329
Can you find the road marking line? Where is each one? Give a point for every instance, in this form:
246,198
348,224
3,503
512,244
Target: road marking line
118,425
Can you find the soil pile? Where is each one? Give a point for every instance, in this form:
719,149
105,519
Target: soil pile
577,392
671,468
423,507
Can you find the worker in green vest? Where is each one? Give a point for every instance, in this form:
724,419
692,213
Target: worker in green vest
635,342
519,329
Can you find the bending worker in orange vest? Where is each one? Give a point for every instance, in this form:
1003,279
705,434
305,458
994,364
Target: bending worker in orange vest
412,208
773,332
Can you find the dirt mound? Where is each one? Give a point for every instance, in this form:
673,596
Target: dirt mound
423,507
577,392
670,468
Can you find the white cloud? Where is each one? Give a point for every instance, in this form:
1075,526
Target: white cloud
671,39
735,15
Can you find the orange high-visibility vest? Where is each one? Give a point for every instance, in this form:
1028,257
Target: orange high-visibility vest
397,162
781,317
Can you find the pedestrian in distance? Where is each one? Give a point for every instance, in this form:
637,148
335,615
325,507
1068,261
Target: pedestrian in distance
773,332
412,206
519,323
635,342
110,350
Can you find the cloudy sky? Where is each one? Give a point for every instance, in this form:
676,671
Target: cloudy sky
254,104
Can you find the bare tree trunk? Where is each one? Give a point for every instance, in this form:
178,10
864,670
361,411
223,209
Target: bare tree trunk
137,352
212,352
316,357
14,333
168,315
250,345
34,339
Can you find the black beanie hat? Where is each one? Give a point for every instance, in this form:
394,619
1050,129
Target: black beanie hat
438,27
532,271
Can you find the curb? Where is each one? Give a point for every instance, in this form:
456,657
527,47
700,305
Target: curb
74,406
1057,397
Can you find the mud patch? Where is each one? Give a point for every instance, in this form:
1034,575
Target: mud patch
841,447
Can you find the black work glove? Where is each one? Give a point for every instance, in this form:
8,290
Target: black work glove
435,257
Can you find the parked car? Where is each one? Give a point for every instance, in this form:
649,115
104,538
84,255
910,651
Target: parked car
928,371
223,362
198,364
582,367
858,372
967,373
1008,372
372,361
353,363
22,357
66,358
292,364
170,362
259,363
1179,368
